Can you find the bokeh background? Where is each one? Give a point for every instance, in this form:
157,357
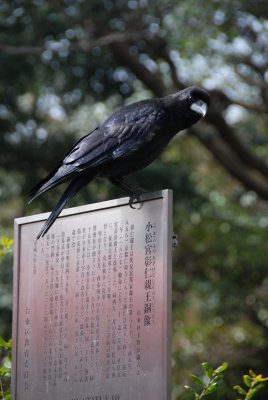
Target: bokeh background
67,65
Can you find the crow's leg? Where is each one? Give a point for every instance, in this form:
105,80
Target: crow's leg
133,191
130,189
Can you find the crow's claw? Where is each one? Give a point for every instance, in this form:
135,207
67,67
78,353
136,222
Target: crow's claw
133,197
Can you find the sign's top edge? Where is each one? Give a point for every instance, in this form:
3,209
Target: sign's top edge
95,206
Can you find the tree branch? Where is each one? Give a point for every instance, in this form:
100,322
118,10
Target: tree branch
161,49
122,55
249,159
20,51
229,137
82,45
232,164
173,69
225,101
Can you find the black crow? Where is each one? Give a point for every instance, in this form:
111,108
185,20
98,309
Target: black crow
127,141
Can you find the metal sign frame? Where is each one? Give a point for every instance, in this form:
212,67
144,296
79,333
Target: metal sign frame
165,196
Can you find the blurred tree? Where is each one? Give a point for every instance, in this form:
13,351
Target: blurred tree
66,65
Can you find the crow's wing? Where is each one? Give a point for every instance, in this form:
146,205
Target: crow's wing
123,133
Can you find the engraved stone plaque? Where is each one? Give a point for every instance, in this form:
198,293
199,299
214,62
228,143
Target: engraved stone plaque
92,303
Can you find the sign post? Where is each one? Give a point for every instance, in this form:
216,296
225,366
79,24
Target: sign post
92,303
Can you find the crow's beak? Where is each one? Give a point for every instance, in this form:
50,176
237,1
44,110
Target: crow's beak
199,107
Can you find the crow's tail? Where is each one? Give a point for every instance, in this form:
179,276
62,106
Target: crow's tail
71,190
57,176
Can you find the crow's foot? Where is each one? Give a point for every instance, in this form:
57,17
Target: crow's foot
135,196
133,191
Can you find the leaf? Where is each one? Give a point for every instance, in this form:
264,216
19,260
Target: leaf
197,380
4,241
221,368
252,373
247,380
259,378
208,369
212,388
217,377
7,242
189,389
10,242
4,371
240,390
3,343
253,391
196,395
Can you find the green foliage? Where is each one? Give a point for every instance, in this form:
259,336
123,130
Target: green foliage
5,369
5,246
210,384
253,384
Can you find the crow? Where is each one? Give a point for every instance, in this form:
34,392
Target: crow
129,140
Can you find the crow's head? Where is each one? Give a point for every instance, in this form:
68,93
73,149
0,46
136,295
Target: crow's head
189,106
